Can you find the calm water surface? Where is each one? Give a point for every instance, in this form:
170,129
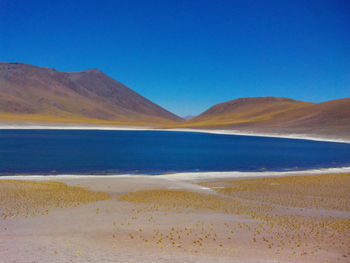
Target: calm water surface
154,152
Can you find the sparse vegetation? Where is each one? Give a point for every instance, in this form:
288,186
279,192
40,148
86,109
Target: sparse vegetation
299,217
278,208
325,191
30,198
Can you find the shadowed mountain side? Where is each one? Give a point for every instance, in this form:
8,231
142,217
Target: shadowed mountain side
277,115
36,94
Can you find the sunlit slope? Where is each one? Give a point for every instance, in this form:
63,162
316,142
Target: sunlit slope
277,114
334,113
36,94
246,110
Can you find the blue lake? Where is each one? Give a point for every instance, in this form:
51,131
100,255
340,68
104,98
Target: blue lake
155,152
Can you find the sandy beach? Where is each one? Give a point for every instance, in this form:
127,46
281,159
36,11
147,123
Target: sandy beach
290,217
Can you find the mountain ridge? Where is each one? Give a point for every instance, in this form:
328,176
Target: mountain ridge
89,96
277,115
33,94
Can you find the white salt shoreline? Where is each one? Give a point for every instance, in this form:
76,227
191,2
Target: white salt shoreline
126,128
185,176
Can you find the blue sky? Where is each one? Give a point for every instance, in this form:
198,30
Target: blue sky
189,55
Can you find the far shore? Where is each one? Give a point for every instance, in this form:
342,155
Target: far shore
20,126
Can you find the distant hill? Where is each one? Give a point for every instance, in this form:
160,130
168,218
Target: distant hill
280,115
37,94
187,117
31,94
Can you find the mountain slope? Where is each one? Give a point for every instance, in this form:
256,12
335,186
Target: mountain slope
31,93
280,115
247,110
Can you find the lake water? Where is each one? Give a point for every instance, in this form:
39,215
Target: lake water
155,152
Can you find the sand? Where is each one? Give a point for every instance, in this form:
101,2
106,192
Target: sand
183,219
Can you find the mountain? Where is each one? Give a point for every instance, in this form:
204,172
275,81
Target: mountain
187,117
279,115
36,94
31,94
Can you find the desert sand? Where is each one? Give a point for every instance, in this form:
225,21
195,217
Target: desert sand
285,217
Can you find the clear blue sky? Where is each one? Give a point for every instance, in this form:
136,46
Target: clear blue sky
188,55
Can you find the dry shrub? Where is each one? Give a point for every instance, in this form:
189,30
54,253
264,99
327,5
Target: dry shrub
29,198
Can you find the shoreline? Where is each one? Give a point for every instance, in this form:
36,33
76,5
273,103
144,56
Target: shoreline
182,176
140,128
185,176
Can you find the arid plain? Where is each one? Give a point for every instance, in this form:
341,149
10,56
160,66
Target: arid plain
289,218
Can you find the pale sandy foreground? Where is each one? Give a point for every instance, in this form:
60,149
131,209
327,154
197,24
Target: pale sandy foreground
294,218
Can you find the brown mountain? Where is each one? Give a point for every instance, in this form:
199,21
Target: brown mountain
36,94
280,115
